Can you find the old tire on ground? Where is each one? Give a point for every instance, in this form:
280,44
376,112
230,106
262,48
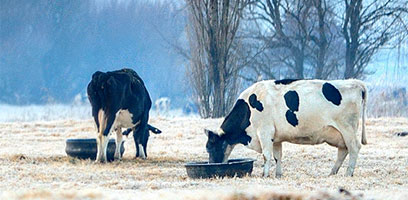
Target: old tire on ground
234,168
86,148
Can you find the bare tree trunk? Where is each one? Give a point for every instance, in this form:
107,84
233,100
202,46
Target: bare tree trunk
294,43
366,28
351,29
322,41
302,35
299,65
214,24
351,51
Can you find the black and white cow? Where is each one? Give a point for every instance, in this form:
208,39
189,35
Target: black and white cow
297,111
119,100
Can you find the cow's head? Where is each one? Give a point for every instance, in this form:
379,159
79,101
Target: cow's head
232,131
217,147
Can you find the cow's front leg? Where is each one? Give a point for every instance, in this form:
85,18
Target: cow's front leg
102,144
119,139
277,154
267,155
266,145
105,125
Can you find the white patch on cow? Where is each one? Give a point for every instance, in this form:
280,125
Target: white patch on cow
102,120
137,123
141,152
220,132
254,144
124,119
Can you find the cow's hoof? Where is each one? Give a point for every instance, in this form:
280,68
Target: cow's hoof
278,176
141,156
265,175
349,172
117,157
100,161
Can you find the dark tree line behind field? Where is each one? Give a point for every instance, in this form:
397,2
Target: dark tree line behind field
275,39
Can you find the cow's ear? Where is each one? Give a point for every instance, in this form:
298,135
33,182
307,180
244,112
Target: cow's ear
207,132
212,137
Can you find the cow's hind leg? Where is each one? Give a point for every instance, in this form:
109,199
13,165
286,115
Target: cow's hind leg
140,135
277,154
144,145
137,149
353,146
341,155
119,139
102,142
140,151
102,138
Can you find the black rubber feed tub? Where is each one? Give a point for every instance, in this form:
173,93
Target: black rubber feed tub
234,168
86,148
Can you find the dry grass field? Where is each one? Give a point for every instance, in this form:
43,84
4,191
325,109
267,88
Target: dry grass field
33,165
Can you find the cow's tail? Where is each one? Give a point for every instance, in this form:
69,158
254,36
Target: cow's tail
149,127
364,103
153,129
127,131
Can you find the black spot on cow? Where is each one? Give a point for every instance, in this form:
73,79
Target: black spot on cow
292,100
331,93
285,81
236,122
253,101
291,118
242,139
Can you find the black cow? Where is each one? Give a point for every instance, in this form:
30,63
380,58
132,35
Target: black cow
119,100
